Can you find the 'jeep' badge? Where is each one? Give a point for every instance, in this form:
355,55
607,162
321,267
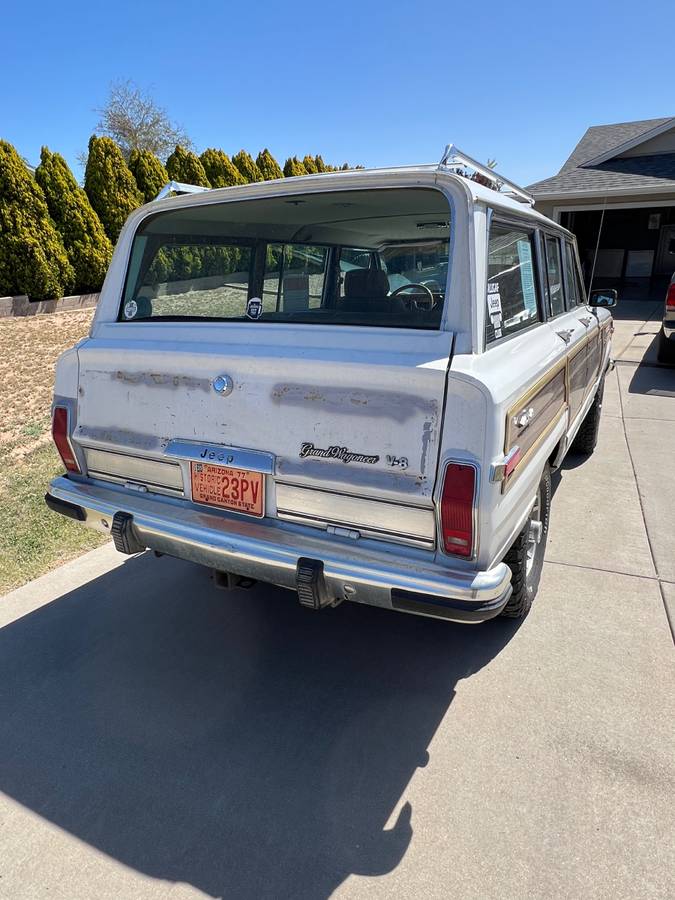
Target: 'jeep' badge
254,308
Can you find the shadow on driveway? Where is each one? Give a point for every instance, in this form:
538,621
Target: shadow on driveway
233,741
651,377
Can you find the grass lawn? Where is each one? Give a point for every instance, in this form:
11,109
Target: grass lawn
33,539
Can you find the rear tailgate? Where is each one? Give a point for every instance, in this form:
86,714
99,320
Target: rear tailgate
345,412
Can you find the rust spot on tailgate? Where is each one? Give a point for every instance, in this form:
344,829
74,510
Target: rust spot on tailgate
161,379
120,437
345,401
428,440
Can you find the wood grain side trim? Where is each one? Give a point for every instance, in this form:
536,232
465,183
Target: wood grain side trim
542,405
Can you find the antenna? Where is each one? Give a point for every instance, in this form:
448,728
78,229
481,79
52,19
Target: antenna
453,158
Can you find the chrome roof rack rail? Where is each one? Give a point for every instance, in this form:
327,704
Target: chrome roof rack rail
176,187
453,158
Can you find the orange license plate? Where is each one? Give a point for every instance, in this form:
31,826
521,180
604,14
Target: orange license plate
234,489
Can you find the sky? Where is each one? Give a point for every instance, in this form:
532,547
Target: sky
376,84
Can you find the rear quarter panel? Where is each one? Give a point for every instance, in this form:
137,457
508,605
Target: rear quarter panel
482,389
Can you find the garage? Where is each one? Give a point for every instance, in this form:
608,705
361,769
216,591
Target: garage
616,192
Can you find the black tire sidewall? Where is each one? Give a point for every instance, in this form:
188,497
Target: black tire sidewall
534,576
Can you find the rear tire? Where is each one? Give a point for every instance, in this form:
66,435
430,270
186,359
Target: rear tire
587,436
666,349
526,556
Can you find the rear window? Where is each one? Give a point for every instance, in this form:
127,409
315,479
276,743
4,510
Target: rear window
376,258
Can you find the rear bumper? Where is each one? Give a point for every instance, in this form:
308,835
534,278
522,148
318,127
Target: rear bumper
267,550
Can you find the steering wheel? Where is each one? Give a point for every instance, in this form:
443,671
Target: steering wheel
421,291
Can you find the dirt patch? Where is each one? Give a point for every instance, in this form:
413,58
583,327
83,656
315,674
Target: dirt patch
33,539
29,348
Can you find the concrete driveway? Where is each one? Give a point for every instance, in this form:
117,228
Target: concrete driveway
159,738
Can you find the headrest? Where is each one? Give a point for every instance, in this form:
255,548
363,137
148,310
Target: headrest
366,284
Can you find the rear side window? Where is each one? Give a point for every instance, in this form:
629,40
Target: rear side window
512,302
556,289
573,295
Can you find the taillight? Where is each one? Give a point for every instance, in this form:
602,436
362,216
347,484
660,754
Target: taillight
670,297
62,438
459,487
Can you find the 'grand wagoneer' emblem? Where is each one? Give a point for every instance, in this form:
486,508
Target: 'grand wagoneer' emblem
335,452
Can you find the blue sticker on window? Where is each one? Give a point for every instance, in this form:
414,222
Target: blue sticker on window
527,276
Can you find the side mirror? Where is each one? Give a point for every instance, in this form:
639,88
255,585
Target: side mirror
603,297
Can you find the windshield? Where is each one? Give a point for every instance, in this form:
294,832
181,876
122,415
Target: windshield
376,258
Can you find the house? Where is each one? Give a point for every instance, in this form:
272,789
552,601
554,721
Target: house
616,192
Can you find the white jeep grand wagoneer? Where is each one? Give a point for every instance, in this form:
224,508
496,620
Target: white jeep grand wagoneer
352,385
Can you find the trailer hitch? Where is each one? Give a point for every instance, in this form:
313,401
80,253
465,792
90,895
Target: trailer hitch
124,534
311,584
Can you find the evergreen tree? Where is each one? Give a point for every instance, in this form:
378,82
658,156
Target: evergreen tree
293,167
185,166
33,259
320,164
149,173
310,165
84,238
244,162
268,166
219,169
110,185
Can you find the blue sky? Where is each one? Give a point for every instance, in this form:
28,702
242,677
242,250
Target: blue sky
373,83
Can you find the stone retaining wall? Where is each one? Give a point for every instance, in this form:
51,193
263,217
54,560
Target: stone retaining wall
22,306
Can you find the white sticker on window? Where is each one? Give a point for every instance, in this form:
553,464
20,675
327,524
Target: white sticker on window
130,309
494,301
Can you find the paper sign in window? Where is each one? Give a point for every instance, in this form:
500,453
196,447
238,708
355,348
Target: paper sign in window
527,276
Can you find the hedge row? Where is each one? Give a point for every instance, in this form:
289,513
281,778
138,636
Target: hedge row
56,237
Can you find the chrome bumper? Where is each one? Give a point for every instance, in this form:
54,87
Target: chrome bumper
268,550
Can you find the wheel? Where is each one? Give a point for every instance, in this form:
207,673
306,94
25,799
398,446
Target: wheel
587,436
666,350
526,556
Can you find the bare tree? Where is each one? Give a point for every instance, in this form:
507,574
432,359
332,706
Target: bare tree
133,119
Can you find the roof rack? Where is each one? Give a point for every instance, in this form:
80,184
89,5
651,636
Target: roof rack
177,187
453,158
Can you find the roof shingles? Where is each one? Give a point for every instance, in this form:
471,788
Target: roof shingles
635,172
640,172
603,138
